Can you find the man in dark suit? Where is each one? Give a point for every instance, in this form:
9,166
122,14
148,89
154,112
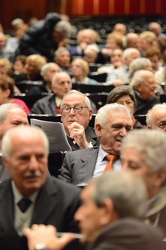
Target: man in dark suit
76,114
11,115
112,123
25,150
61,84
144,152
109,217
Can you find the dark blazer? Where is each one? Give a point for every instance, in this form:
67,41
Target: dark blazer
55,204
129,234
4,174
45,105
90,137
78,166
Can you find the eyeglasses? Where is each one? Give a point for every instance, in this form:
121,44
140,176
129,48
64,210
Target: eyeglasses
76,109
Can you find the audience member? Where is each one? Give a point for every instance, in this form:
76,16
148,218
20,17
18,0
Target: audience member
112,123
115,62
76,114
120,28
156,117
146,39
24,153
144,85
3,53
125,95
114,41
122,73
80,71
132,40
19,65
44,36
109,218
7,94
156,29
85,37
47,72
11,115
144,152
63,59
61,84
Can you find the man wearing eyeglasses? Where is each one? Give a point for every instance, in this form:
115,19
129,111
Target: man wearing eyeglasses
76,114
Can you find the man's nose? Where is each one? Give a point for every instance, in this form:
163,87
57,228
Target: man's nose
123,131
33,162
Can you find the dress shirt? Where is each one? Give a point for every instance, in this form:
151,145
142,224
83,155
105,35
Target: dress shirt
102,161
22,220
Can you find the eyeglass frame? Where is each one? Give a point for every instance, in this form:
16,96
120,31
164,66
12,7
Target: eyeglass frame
70,108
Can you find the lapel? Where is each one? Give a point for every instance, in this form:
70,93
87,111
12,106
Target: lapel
88,163
90,135
7,208
46,202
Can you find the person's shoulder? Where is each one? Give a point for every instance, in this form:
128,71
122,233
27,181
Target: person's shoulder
44,99
64,186
82,152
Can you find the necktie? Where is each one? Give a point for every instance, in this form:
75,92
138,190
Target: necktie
111,159
58,110
24,203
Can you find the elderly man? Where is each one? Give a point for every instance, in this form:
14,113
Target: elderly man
76,114
108,217
47,72
11,115
33,196
112,123
156,117
44,36
144,84
144,152
61,84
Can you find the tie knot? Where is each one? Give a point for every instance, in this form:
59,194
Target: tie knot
112,158
24,203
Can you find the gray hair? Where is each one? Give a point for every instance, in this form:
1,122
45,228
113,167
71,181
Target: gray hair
56,76
46,67
150,142
122,188
7,108
138,64
157,109
64,28
127,53
7,140
101,116
139,76
71,92
59,51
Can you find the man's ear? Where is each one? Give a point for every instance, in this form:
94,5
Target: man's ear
98,130
160,178
5,163
139,87
109,213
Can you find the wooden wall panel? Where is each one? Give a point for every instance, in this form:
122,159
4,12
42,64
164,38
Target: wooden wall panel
27,8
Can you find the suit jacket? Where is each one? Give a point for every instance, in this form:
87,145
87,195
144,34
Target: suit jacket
4,174
45,105
90,137
129,234
55,204
78,166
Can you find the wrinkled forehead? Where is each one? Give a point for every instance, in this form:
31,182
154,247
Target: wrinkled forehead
74,98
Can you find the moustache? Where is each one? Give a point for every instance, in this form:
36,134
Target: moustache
29,174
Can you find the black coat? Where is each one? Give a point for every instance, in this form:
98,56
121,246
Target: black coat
38,38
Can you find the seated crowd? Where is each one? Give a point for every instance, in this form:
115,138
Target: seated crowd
112,153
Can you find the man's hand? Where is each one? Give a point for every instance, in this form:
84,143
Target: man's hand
47,236
77,132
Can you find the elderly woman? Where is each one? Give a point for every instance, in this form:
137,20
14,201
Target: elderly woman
125,95
7,93
80,71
